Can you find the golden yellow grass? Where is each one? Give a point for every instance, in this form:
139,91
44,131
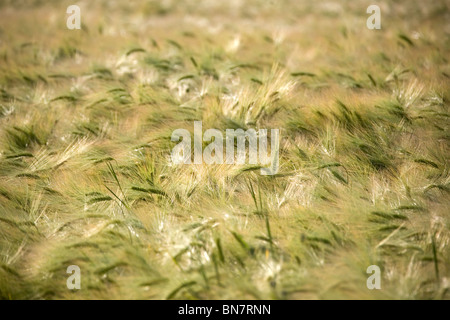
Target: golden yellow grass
86,179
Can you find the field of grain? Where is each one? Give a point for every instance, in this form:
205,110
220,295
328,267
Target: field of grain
86,177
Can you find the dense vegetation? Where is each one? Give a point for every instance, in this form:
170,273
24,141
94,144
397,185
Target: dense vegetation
86,179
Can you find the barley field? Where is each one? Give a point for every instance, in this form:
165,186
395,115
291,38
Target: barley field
86,177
